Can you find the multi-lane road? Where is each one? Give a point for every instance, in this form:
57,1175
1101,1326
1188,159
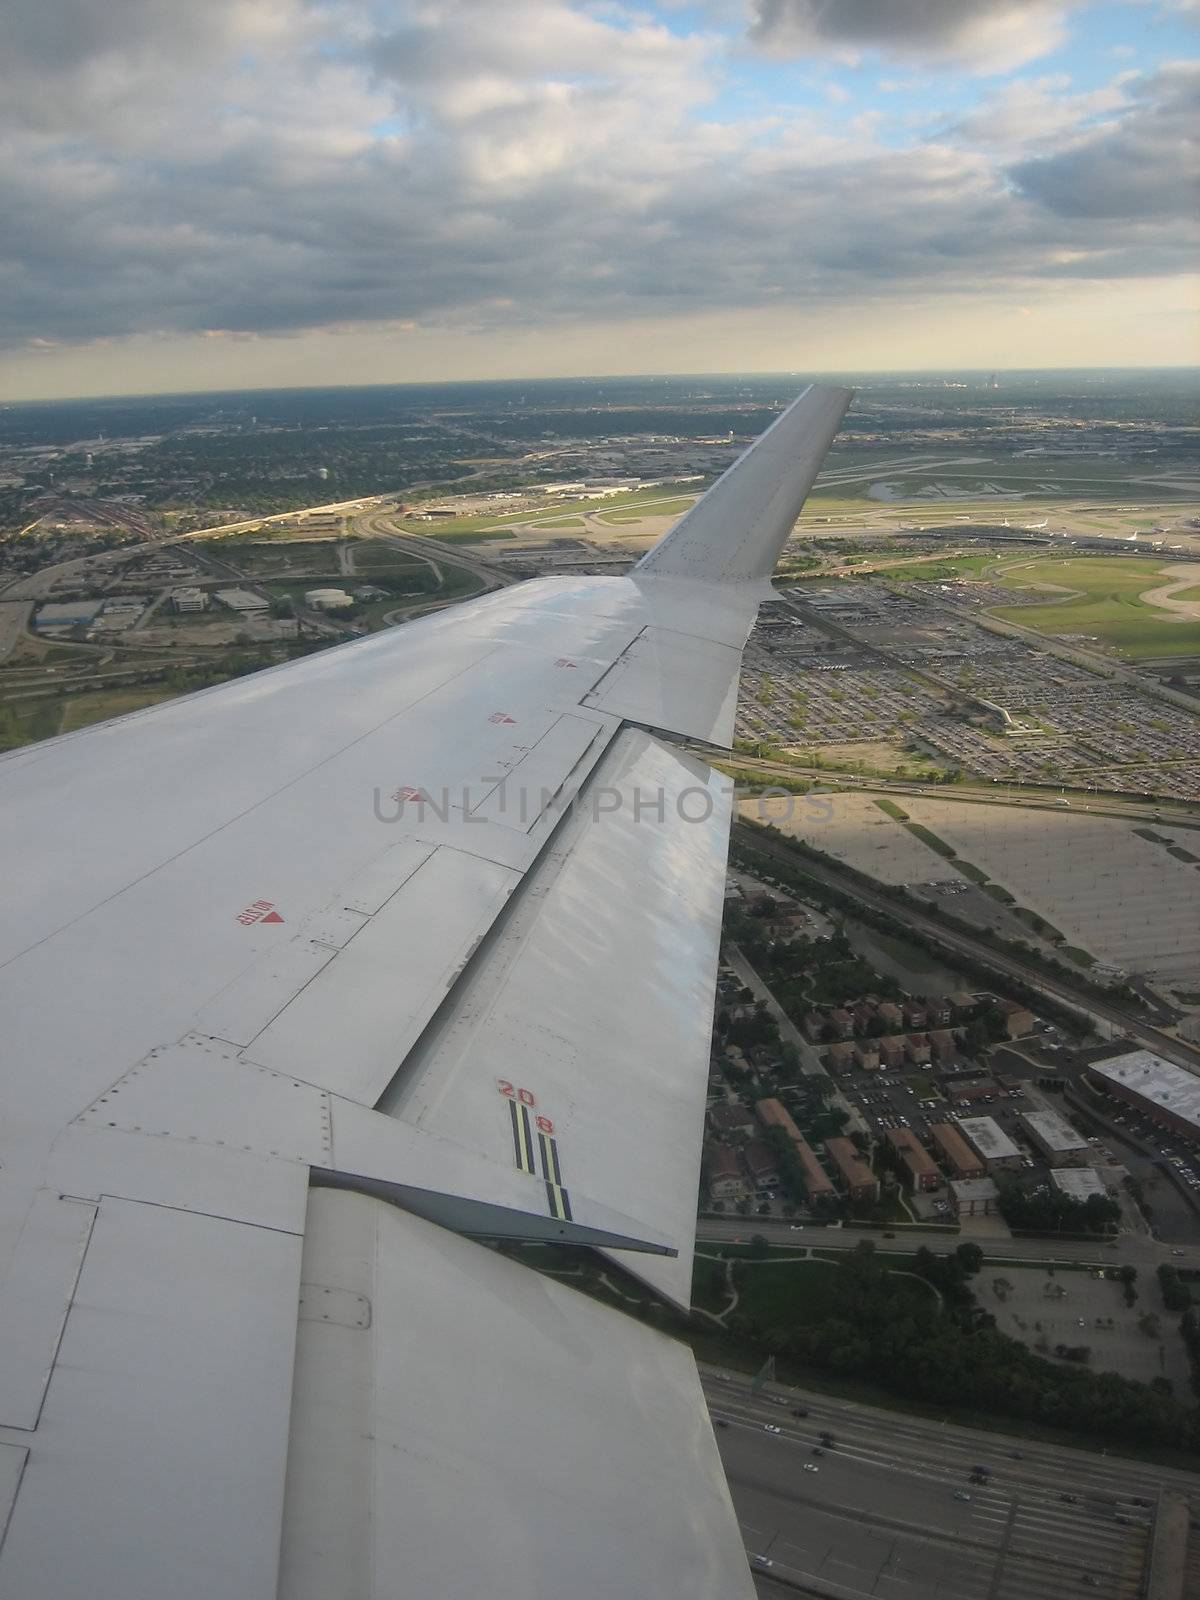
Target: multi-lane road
1137,1249
885,1514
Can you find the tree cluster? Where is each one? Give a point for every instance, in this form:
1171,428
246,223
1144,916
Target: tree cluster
951,1354
1051,1211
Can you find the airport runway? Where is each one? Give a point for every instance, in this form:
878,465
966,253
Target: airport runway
880,1518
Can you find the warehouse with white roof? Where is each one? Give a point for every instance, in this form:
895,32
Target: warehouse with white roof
1060,1143
1081,1183
1163,1091
995,1147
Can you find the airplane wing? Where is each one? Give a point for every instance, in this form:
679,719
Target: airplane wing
310,983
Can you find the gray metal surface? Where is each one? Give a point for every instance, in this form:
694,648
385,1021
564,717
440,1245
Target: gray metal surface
736,531
435,869
483,1430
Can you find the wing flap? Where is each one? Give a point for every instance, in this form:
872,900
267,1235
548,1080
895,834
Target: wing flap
585,1024
160,1454
566,1451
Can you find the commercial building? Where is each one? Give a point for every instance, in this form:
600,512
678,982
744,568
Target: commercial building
189,599
921,1167
955,1153
328,599
974,1197
861,1183
998,1152
817,1184
1166,1093
1060,1143
120,613
1079,1182
68,614
242,600
962,1094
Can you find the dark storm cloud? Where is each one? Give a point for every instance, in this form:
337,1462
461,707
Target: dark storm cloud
1143,167
987,34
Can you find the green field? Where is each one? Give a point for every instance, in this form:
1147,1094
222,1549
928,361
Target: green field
972,566
1107,604
249,554
376,555
82,710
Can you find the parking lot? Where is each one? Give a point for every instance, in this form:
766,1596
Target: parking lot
1047,1309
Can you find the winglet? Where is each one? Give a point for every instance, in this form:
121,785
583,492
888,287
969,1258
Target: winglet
735,532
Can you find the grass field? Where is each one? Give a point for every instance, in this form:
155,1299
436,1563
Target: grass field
82,710
1108,604
251,555
974,566
372,555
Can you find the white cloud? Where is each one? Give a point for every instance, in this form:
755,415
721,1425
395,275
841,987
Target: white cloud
1033,114
278,166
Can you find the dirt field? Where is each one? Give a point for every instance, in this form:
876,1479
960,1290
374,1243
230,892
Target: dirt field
1121,897
854,829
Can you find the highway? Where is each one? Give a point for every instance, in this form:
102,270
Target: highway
880,1516
1035,976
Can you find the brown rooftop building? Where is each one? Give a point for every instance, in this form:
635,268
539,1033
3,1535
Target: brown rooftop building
921,1167
840,1056
968,1093
943,1045
956,1153
724,1173
762,1164
861,1183
727,1118
891,1052
1017,1020
772,1114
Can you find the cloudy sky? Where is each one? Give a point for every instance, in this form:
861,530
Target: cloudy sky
261,192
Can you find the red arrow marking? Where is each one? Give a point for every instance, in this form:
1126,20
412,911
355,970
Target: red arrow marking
273,916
